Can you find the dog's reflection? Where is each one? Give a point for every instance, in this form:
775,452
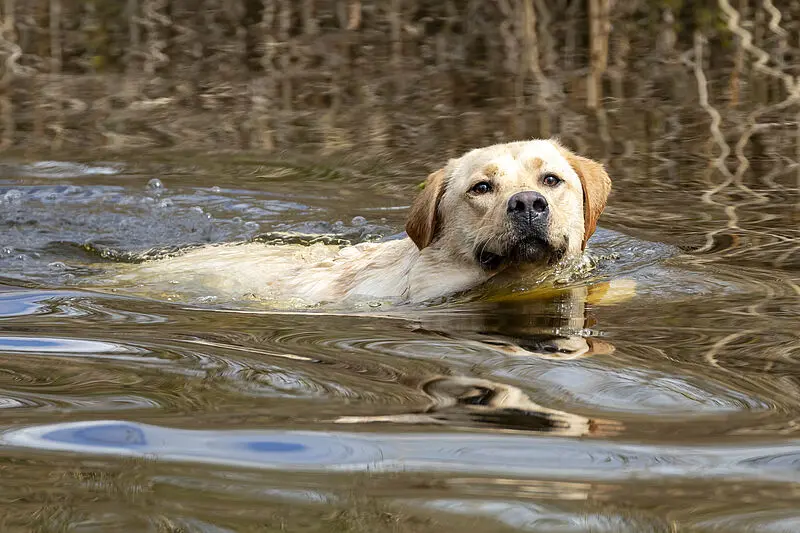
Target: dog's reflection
552,324
556,325
479,403
545,345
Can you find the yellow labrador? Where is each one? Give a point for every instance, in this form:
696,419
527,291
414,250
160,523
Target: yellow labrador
529,203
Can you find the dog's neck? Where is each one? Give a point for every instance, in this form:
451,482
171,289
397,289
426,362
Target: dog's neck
428,280
402,271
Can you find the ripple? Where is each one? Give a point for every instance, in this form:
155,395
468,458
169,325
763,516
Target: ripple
21,303
474,453
762,521
644,390
63,346
259,366
71,304
535,517
66,169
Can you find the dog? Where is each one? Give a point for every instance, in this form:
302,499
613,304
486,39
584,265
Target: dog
512,208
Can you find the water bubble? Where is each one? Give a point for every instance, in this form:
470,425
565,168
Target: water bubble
215,189
252,226
165,203
358,221
57,265
196,209
7,250
155,186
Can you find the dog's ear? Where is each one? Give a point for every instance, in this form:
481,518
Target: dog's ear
596,188
598,347
422,220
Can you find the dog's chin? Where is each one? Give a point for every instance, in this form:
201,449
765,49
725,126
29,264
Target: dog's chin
528,251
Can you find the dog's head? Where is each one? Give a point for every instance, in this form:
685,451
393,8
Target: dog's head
515,203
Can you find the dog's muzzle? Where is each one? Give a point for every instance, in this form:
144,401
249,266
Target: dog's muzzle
527,239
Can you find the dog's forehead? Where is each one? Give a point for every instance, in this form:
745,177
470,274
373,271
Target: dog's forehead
512,156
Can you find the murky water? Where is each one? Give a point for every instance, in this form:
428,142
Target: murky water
661,393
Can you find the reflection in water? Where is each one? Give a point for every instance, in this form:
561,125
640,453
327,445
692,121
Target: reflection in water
470,402
543,322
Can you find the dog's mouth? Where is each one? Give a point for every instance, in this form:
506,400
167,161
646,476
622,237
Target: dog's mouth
532,249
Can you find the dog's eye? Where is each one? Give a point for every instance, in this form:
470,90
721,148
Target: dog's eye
551,180
482,187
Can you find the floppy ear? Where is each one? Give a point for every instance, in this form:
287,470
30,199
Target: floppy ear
598,347
422,220
596,188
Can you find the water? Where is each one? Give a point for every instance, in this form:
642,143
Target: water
658,394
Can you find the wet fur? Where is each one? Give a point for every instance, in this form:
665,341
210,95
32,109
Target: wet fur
455,241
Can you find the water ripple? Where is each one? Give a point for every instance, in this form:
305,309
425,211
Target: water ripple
478,453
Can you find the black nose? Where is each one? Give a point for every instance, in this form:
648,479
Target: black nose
528,203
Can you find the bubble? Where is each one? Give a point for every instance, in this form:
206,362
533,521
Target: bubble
155,186
358,221
7,250
57,265
253,226
215,188
196,209
165,203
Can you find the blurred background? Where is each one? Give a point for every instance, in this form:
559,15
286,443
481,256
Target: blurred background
633,78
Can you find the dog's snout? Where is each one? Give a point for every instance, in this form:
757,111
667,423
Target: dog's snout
528,203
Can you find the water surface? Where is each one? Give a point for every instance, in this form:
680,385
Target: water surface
659,392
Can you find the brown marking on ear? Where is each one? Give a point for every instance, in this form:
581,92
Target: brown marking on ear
596,188
422,220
